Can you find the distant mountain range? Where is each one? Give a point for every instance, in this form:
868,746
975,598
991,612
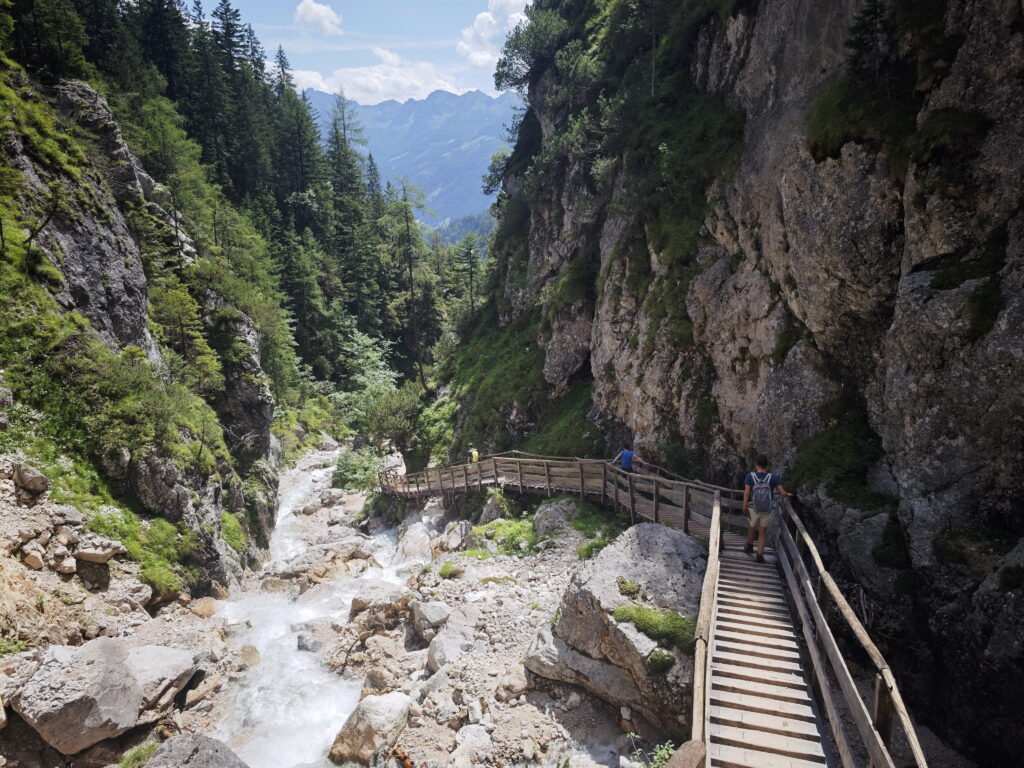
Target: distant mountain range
443,143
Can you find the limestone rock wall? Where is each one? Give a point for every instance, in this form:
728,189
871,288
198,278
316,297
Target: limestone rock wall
818,280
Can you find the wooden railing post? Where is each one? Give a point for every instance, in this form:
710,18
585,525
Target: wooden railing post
686,509
465,476
604,483
583,487
417,483
479,476
615,479
657,493
519,470
547,477
632,499
882,712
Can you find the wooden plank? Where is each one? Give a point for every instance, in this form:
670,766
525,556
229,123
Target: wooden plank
740,659
757,704
744,757
764,690
766,741
759,652
777,679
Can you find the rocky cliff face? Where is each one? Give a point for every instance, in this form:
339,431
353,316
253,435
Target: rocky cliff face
96,245
854,316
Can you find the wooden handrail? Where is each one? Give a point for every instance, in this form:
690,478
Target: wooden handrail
705,620
886,683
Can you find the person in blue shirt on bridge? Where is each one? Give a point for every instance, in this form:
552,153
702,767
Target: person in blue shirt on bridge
625,457
759,487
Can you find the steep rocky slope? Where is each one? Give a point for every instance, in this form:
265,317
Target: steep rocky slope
102,384
846,294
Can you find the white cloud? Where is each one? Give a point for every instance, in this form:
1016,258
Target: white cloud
319,16
394,78
481,42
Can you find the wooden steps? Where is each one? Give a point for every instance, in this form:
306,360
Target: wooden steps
760,712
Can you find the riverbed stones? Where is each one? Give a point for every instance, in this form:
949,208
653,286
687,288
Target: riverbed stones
380,603
29,481
96,549
372,728
194,751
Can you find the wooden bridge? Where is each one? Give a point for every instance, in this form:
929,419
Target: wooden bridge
771,687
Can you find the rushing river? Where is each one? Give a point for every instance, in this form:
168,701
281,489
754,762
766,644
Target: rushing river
286,711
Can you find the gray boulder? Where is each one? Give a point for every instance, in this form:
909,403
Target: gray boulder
553,518
372,729
81,696
416,544
588,647
194,751
456,636
457,536
428,617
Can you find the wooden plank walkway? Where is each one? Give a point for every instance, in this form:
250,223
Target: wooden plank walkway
755,703
760,708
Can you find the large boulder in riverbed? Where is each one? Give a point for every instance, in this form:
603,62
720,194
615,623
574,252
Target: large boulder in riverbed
81,696
656,567
372,729
428,617
194,751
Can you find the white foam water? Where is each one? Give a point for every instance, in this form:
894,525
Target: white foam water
286,711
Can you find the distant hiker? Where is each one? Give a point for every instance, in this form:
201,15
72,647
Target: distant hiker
472,455
759,487
625,457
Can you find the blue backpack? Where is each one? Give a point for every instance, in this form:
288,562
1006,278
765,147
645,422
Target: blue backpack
762,495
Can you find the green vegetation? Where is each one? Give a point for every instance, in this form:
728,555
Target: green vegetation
233,532
980,549
449,570
164,549
138,756
842,455
357,470
565,429
660,661
667,627
658,758
11,645
510,535
899,52
628,588
591,548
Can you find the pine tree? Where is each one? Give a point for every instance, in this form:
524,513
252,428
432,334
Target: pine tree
49,37
469,260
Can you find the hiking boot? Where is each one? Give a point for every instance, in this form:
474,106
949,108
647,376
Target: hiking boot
748,548
759,558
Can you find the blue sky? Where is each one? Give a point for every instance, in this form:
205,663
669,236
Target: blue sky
386,49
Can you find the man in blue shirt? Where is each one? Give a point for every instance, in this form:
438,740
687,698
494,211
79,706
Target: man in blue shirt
760,486
625,456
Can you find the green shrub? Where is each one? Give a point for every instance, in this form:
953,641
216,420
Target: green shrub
591,548
594,521
233,532
449,570
658,758
357,470
509,535
159,545
11,645
138,756
666,627
660,661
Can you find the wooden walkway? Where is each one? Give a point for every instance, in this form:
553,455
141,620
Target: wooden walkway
771,688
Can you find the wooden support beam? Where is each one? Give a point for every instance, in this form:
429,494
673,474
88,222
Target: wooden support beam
604,483
583,486
882,712
615,479
519,469
547,476
657,500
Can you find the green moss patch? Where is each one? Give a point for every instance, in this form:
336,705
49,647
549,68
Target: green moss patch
509,535
660,661
667,627
233,532
138,756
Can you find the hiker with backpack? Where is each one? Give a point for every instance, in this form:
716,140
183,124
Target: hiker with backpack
472,455
759,489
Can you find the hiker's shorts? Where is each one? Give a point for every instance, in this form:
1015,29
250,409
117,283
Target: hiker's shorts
760,521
